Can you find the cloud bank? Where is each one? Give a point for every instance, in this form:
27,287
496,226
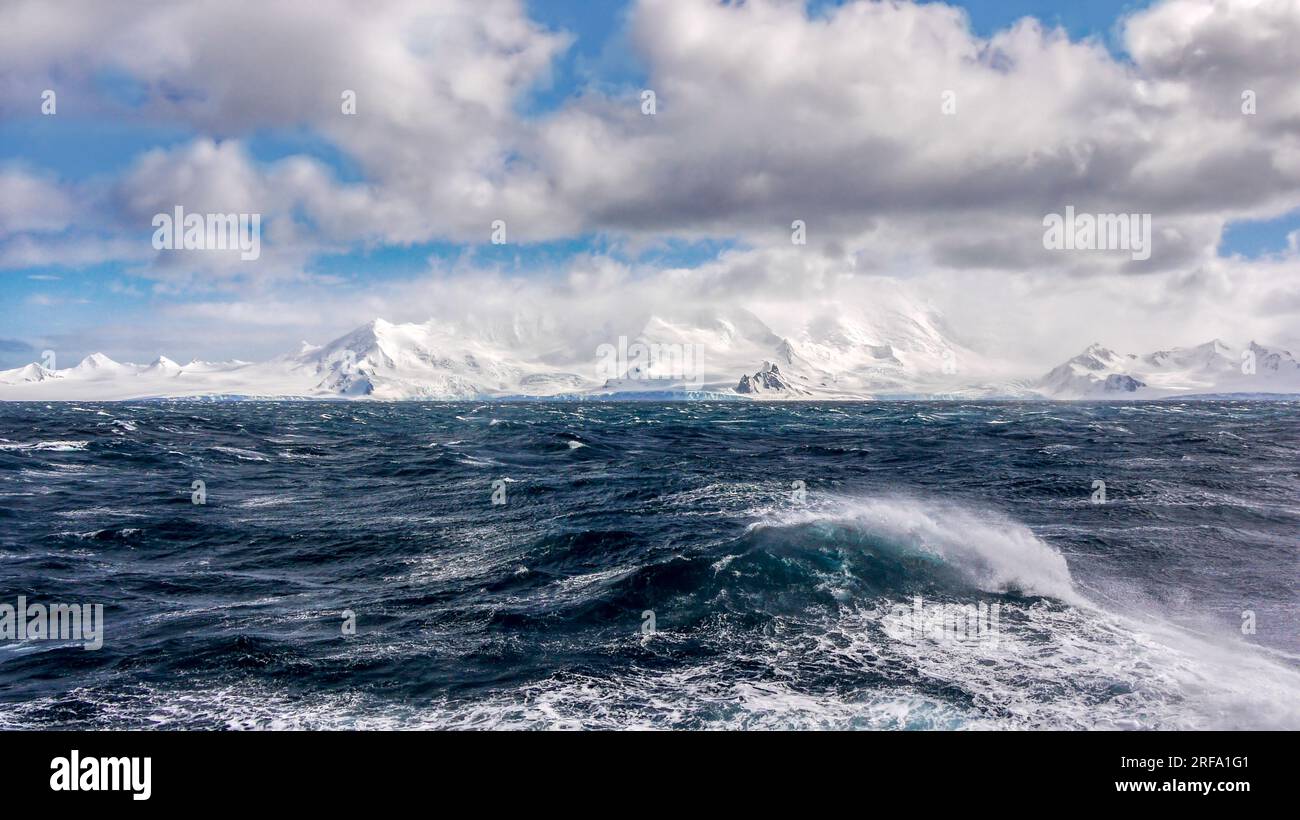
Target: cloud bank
906,145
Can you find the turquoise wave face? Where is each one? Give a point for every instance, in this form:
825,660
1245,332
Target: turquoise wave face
886,565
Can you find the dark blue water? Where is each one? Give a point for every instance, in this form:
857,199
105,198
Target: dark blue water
774,604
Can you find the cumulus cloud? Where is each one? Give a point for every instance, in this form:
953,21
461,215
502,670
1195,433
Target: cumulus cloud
909,146
765,115
32,204
768,115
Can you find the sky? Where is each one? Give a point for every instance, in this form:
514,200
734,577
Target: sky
921,143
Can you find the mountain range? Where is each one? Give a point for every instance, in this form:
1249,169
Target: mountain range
1212,368
893,348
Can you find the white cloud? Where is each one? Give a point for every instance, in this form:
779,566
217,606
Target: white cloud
765,115
32,204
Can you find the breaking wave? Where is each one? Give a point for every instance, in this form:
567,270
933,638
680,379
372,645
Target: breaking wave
984,549
662,575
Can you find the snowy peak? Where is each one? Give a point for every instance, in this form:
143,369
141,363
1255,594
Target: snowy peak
1089,373
1279,362
34,372
387,360
887,346
1213,367
96,364
886,341
1212,355
163,366
768,380
1097,357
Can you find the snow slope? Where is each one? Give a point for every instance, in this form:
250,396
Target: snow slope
891,346
1212,368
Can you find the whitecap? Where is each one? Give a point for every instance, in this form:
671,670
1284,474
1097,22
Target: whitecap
992,552
52,446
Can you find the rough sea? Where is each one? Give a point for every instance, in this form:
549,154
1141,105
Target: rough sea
639,565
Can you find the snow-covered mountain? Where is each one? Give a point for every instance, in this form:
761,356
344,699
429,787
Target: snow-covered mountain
431,361
1213,368
99,378
893,346
769,380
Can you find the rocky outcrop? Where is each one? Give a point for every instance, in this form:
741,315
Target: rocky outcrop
769,379
1120,383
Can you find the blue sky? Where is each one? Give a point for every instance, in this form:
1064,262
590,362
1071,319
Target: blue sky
45,300
86,151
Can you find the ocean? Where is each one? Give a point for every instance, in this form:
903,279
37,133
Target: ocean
689,565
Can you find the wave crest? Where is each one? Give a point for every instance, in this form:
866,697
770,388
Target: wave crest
987,550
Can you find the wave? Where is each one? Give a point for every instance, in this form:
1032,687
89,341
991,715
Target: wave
53,446
768,613
1061,660
240,453
988,551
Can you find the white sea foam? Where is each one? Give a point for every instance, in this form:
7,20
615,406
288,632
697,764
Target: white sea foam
1062,661
991,552
240,453
1059,668
55,446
